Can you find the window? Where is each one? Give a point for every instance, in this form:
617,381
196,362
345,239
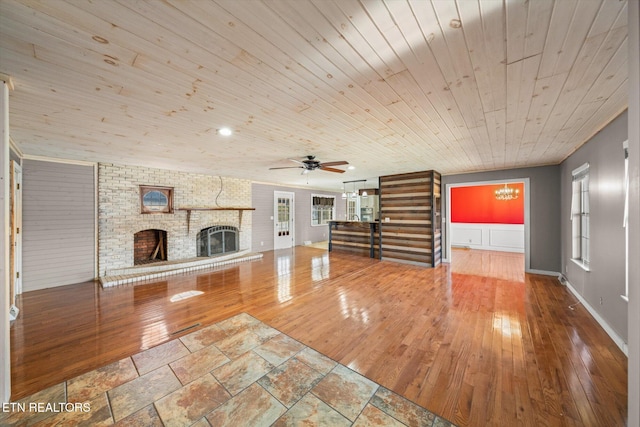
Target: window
580,216
322,209
352,208
156,199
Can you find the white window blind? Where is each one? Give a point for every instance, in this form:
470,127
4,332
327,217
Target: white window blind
322,209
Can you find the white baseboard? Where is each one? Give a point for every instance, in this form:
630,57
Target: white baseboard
612,334
543,272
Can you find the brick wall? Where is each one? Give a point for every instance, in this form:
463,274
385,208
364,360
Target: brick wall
119,216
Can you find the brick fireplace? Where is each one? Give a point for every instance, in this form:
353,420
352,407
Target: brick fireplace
120,217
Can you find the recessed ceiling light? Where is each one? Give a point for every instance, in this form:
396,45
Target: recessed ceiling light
224,131
351,168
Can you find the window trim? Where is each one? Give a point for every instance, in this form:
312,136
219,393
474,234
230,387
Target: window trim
581,174
313,210
625,220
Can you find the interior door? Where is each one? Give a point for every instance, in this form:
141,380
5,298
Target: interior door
283,219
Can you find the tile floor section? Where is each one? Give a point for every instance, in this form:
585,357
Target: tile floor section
237,372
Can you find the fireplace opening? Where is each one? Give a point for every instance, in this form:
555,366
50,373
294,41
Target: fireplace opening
217,240
149,246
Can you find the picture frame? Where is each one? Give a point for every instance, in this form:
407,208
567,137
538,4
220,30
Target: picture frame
156,199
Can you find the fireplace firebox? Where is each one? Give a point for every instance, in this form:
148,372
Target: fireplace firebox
217,240
149,246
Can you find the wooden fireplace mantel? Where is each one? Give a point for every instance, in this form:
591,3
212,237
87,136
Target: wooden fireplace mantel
217,208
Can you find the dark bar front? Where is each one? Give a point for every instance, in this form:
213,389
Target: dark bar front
354,237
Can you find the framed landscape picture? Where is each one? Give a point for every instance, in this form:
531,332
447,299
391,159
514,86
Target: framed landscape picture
154,199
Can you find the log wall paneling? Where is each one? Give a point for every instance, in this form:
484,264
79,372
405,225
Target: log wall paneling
410,228
361,238
437,219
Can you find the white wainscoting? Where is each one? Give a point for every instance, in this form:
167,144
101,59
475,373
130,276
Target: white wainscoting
494,237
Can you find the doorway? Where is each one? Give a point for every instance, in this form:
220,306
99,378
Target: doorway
284,213
526,196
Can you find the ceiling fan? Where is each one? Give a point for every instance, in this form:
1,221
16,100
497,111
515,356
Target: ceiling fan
311,164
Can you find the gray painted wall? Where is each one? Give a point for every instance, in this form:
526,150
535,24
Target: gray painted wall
606,278
634,215
544,188
58,219
262,201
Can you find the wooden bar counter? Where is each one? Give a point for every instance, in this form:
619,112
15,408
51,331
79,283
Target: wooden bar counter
357,237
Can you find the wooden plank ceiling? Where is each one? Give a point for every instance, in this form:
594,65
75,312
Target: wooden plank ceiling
390,86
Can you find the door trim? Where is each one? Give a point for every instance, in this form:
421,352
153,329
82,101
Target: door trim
292,216
16,230
527,213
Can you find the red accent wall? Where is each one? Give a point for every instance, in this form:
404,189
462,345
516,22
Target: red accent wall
478,204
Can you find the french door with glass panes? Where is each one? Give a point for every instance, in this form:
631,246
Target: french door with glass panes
283,219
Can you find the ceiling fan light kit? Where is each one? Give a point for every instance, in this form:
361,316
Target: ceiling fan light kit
310,164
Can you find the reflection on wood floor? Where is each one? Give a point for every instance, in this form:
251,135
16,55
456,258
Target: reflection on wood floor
320,245
497,265
474,348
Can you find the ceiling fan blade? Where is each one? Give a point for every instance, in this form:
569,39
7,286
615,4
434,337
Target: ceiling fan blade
331,169
311,164
289,167
338,163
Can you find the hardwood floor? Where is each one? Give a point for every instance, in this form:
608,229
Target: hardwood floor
477,344
493,264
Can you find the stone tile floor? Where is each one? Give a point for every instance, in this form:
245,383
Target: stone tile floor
237,372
